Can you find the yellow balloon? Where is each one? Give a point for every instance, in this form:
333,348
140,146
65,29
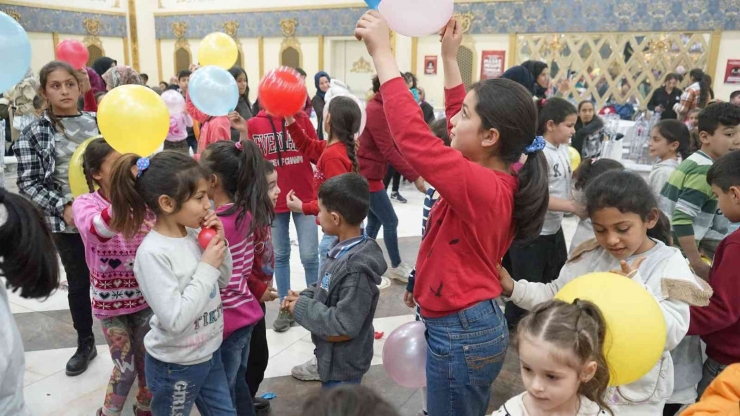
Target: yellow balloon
636,329
133,119
218,49
77,180
575,157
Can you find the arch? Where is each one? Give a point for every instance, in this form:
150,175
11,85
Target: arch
95,52
183,59
291,57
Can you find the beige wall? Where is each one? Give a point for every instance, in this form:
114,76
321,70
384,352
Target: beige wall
42,48
729,48
193,5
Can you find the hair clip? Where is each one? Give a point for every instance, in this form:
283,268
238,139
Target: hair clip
239,146
537,144
142,164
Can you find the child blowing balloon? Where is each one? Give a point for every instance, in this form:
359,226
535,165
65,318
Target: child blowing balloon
179,280
626,224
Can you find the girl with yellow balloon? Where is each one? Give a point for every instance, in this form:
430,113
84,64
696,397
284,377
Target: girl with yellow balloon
642,286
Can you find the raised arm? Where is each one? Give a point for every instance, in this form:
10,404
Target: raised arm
196,114
311,148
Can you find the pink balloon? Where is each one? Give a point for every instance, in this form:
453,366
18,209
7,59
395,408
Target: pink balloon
174,101
429,16
73,52
405,354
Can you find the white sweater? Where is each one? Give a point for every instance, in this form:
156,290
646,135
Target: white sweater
187,326
651,391
515,407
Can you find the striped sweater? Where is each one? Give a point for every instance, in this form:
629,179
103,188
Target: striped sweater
241,308
687,198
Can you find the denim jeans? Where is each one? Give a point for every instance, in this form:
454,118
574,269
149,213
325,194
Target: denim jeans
382,213
465,353
710,371
332,384
235,356
308,245
175,388
325,245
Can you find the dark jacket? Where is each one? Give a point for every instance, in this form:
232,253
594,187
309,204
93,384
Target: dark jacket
585,130
344,310
661,97
244,109
428,111
318,107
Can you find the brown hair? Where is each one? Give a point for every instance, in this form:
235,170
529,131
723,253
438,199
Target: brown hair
169,173
578,327
95,154
46,70
345,123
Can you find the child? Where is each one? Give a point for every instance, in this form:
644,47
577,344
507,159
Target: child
348,401
179,280
29,264
44,150
116,298
339,310
589,169
625,218
212,129
693,120
561,353
456,281
335,156
694,142
239,193
588,137
541,259
243,106
668,140
180,121
687,198
719,323
183,78
411,83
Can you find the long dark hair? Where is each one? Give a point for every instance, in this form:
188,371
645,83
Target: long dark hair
697,75
507,106
46,70
235,72
346,117
29,257
240,167
95,154
592,167
169,173
555,109
675,131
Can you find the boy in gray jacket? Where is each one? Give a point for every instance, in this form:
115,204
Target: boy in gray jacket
339,308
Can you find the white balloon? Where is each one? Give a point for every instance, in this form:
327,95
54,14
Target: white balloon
417,18
339,89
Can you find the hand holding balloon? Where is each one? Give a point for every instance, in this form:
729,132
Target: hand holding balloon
239,124
429,15
282,92
373,30
73,52
451,38
212,221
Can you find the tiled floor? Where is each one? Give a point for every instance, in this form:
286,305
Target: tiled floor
50,339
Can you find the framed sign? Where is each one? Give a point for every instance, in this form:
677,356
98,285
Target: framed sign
492,64
732,73
430,65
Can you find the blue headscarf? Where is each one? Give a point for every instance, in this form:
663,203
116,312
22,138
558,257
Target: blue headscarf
522,76
317,80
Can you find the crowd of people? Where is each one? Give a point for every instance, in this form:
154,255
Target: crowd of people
185,317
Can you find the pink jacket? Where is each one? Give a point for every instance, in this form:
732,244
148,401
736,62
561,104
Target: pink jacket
212,129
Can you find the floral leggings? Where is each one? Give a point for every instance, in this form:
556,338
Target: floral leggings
125,336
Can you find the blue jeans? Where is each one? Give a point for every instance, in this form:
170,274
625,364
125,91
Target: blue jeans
325,245
235,354
308,245
175,388
465,353
710,371
382,213
332,384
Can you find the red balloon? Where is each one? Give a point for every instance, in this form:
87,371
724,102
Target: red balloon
73,52
205,237
282,92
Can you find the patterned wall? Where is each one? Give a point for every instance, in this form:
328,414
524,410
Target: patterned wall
527,16
37,19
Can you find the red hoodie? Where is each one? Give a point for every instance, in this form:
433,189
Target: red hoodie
470,227
293,168
377,148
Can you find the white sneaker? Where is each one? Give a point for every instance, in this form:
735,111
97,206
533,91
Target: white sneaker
307,371
400,273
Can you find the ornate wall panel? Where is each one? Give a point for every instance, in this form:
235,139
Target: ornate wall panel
38,19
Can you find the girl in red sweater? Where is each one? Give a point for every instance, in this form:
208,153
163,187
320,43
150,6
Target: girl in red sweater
483,207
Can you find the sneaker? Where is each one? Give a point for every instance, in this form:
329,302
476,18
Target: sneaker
141,412
283,321
398,197
400,273
260,404
307,371
86,351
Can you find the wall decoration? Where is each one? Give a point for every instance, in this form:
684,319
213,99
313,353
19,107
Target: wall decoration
361,66
47,20
732,73
466,56
492,64
92,39
182,56
430,65
290,47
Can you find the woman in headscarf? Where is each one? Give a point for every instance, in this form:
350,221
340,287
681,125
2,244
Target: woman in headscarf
521,76
322,80
541,74
121,75
102,65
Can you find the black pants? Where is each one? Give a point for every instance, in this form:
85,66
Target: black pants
537,261
72,251
392,174
258,356
671,409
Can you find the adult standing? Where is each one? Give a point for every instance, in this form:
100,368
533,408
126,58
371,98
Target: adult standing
666,97
541,74
243,106
102,65
322,80
695,96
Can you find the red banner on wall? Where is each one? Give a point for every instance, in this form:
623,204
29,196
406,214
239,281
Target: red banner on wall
492,64
732,73
430,65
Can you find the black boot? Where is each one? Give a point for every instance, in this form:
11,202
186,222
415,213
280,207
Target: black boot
86,351
261,405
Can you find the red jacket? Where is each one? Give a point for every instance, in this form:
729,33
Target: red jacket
719,322
263,267
332,161
470,227
377,147
293,168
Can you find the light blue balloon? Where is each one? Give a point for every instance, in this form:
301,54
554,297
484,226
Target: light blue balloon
213,90
373,4
15,52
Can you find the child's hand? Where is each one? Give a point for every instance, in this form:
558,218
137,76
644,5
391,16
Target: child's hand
507,283
269,295
451,38
294,204
212,221
408,299
238,123
289,120
701,269
68,215
373,30
293,293
420,185
627,270
215,252
84,81
289,303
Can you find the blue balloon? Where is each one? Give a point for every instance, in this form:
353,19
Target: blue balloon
373,4
213,90
15,50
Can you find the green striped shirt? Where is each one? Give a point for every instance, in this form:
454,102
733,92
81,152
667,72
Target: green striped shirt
687,198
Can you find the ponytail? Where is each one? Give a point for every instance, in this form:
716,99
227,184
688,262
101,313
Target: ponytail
129,208
346,117
699,76
532,198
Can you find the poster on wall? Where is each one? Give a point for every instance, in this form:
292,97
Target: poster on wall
430,65
732,73
492,64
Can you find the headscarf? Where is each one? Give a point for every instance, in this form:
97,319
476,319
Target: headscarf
317,81
522,76
102,65
121,75
96,82
536,68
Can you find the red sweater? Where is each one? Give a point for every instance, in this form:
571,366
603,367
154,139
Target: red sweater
293,168
333,161
263,266
470,227
377,147
719,323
